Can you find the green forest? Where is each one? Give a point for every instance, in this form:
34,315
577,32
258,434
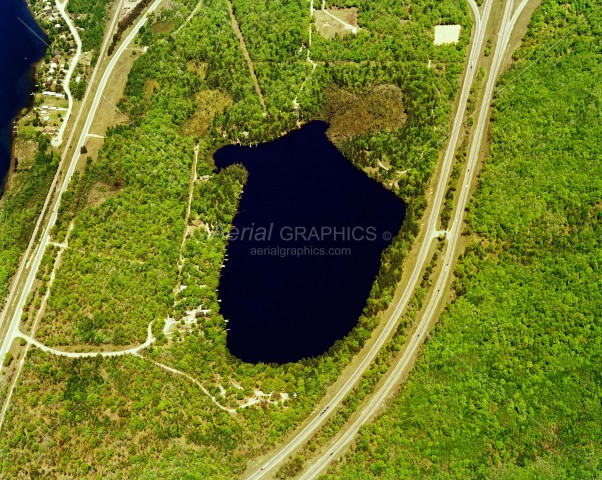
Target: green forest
90,17
509,384
127,260
22,203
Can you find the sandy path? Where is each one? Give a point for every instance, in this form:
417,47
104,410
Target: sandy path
58,140
345,24
192,14
245,52
193,380
63,353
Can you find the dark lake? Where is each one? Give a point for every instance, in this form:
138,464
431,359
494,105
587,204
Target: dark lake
288,289
21,46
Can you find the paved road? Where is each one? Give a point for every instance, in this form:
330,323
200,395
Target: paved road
9,328
431,232
401,367
22,274
56,141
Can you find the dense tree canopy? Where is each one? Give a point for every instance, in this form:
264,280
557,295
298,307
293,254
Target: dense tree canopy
509,384
133,247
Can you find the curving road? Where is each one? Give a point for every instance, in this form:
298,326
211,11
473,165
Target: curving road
58,140
117,353
405,362
431,233
26,275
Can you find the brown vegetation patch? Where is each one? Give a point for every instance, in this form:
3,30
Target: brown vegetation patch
209,104
379,108
196,66
25,151
329,27
149,87
100,192
163,28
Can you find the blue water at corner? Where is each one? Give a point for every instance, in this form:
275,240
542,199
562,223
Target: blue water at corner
22,44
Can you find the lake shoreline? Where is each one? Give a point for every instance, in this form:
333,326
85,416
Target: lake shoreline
305,246
32,95
26,109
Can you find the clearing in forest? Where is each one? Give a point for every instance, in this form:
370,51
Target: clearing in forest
336,21
163,28
210,103
446,34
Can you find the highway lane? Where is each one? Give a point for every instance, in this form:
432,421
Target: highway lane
11,329
319,418
24,266
405,362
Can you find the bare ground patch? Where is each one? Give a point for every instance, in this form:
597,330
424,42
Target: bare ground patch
93,145
100,192
446,34
25,151
163,28
329,27
379,108
210,103
108,114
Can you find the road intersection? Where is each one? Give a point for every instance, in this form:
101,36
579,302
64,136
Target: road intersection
24,280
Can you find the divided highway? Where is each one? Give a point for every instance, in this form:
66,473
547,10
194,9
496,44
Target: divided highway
402,366
22,285
10,318
320,418
22,274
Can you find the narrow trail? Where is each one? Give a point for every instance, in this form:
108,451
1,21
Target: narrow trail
296,104
245,52
127,351
193,179
345,24
189,17
57,262
58,245
193,380
56,351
